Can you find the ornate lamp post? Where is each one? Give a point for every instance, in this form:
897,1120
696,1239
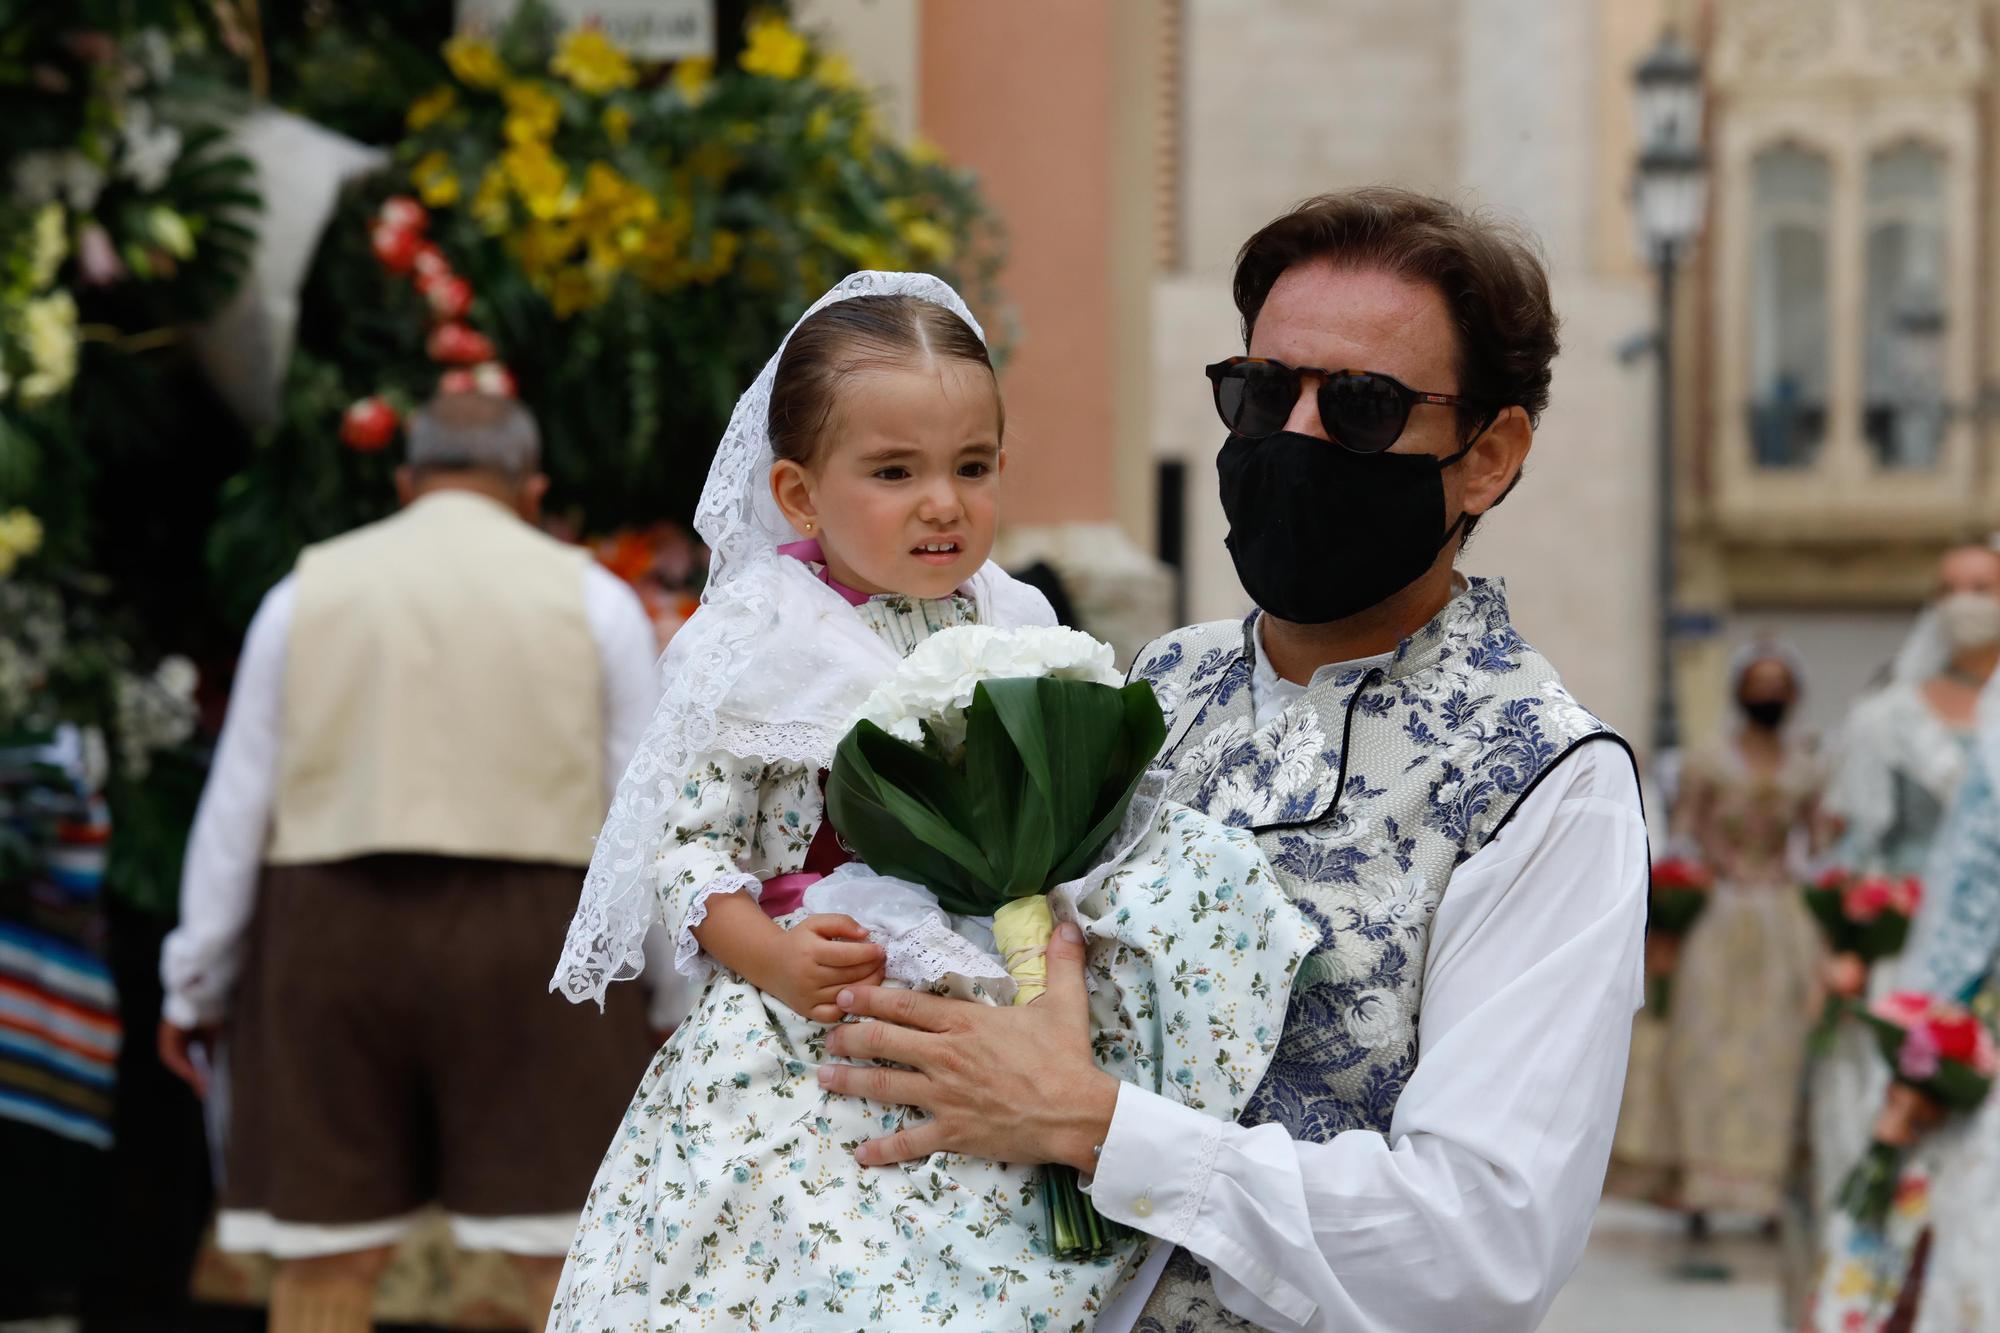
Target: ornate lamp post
1669,196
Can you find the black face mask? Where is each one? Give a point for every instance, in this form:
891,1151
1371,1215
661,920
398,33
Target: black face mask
1319,533
1768,714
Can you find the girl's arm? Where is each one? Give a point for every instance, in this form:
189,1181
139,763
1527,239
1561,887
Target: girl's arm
806,967
736,823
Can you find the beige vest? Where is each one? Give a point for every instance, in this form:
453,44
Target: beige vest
442,693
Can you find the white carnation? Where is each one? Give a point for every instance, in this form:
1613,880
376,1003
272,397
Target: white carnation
934,685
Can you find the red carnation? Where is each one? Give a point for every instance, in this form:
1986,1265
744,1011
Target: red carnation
1957,1037
404,214
429,261
368,425
457,381
454,344
450,296
395,247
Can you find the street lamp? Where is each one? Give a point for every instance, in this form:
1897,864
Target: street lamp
1669,198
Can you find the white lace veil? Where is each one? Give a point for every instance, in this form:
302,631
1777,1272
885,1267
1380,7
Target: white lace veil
748,579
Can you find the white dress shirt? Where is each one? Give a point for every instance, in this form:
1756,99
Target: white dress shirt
202,957
1473,1210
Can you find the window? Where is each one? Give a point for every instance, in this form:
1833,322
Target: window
1903,329
1791,193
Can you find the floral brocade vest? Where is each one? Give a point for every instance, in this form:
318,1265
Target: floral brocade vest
1366,794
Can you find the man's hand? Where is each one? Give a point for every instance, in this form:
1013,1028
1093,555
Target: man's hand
177,1047
1014,1084
820,957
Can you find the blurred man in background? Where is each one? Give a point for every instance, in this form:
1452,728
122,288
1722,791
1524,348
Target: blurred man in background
428,718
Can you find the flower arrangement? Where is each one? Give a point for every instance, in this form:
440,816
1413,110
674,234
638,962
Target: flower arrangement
1942,1050
622,243
991,768
1868,916
1679,894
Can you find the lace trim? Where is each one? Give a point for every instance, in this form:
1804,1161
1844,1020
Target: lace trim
933,950
689,960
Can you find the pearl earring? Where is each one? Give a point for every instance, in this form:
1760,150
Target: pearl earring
809,525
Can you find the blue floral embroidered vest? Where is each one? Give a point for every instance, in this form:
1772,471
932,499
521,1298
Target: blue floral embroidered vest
1366,794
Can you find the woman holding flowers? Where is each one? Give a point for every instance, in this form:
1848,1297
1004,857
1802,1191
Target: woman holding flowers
1743,991
731,1196
1900,765
1953,957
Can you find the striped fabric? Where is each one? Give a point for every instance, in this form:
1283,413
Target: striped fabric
59,1029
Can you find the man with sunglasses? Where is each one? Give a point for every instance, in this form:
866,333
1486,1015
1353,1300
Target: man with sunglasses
1426,1149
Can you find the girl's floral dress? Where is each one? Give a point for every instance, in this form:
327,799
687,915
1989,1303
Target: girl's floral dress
730,1197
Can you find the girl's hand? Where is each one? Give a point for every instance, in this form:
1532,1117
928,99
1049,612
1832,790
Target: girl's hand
1009,1084
820,957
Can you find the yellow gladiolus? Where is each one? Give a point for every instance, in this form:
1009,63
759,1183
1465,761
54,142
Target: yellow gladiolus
532,112
432,107
819,123
539,178
592,64
835,71
928,240
489,203
437,184
692,77
773,48
572,290
617,122
474,62
1021,932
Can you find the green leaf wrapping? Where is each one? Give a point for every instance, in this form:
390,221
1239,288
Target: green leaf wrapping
1048,771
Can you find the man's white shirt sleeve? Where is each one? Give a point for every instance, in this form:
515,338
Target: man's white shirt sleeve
225,851
1472,1212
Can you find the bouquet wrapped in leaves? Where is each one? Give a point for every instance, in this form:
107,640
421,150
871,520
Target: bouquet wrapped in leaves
1942,1050
1679,895
1865,915
995,767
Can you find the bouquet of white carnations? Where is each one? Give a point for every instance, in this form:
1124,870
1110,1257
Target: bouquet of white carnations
994,766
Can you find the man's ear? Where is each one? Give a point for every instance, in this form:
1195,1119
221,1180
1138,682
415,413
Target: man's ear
406,485
1494,466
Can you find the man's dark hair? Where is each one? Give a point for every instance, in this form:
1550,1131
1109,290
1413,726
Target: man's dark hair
1489,272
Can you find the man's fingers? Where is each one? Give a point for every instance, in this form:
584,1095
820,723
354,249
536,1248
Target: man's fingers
841,955
910,1009
897,1087
883,1041
175,1045
905,1145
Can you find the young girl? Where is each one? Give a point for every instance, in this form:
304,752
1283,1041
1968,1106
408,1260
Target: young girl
850,511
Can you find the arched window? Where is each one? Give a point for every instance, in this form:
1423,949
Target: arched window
1904,319
1791,193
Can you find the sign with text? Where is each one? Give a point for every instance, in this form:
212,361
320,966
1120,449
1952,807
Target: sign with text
647,29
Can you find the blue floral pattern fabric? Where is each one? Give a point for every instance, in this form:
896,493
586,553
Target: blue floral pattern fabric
1366,794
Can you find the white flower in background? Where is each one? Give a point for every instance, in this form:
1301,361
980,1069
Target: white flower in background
50,248
150,150
154,713
935,683
48,327
44,176
154,51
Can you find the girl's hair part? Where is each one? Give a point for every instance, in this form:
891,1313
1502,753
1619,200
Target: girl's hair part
852,337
